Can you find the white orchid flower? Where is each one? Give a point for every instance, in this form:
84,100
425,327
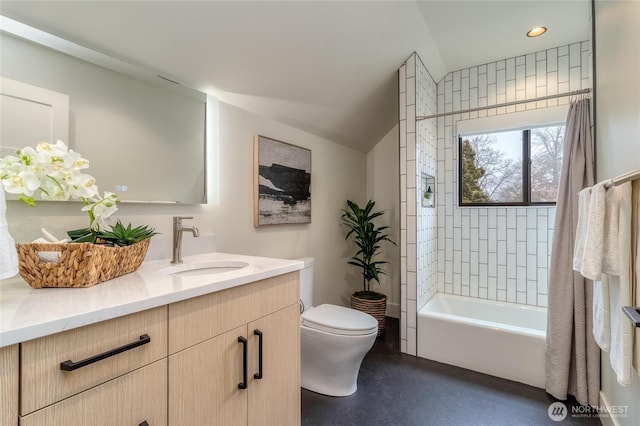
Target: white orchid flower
54,170
10,161
58,150
23,182
27,152
81,185
73,160
53,189
44,147
101,209
80,163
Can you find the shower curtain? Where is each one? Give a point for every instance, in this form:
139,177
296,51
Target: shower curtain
572,356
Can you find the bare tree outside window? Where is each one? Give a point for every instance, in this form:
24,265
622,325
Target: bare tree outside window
501,177
493,166
546,162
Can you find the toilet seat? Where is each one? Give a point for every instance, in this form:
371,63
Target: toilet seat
339,320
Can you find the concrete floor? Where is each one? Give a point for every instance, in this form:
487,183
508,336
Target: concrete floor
403,390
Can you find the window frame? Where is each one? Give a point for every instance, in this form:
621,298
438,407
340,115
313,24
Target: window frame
526,169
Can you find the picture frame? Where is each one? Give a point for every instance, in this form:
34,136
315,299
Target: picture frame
282,183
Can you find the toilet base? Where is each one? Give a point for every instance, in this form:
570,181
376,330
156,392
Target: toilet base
330,363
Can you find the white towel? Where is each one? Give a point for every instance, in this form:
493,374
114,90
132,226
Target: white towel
581,228
621,352
594,239
635,264
611,249
602,313
610,267
8,254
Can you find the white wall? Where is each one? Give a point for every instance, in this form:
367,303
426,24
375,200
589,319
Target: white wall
337,173
383,182
618,137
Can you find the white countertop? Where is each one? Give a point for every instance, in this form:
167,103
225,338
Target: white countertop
27,313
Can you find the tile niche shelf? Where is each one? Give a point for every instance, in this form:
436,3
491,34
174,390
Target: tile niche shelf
428,189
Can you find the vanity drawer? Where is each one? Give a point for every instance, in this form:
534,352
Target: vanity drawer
132,399
127,343
196,320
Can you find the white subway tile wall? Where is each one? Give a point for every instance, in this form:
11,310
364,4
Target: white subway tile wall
418,225
497,253
503,251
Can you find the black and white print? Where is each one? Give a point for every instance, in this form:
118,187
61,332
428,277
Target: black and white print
283,183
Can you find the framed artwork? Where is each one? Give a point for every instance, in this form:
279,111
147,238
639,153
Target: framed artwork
282,182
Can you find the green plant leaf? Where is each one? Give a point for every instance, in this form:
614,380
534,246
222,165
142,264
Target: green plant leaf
84,235
367,238
118,235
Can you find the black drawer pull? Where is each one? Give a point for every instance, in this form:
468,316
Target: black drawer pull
243,383
70,365
258,375
144,423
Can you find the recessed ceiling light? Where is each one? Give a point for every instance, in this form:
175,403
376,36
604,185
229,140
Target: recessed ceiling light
537,31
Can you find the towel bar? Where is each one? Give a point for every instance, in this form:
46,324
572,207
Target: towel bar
633,312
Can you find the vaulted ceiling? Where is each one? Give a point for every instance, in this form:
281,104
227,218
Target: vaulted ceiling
326,67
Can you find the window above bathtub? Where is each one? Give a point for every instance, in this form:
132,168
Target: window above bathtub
511,160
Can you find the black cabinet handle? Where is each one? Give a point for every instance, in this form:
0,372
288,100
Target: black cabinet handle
258,375
243,384
144,423
70,365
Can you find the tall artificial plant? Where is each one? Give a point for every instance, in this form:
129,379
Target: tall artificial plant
368,238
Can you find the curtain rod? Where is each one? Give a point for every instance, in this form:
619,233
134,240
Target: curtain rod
506,104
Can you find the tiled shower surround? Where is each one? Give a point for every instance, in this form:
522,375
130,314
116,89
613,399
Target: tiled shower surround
496,253
418,228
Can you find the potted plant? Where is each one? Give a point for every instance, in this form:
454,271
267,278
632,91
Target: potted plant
98,253
368,238
428,194
428,197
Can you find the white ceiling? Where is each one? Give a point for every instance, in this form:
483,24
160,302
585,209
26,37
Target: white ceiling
326,67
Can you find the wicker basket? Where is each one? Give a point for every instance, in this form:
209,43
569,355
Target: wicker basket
375,308
79,264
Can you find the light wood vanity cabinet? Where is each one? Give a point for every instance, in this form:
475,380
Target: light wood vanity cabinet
275,399
176,365
212,380
9,375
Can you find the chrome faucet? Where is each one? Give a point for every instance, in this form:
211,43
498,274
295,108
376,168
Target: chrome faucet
178,229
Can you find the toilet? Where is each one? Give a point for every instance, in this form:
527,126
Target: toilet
333,341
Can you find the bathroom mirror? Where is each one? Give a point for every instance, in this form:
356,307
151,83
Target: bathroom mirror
143,135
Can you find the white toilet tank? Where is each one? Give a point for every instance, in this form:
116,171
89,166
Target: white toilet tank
306,283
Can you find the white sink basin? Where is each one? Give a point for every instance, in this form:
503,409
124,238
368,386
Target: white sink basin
204,268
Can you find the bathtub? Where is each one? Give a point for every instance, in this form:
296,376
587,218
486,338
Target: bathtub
501,339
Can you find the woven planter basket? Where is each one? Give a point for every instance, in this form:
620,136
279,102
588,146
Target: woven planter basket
79,264
375,308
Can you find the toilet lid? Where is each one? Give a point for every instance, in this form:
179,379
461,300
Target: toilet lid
339,320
